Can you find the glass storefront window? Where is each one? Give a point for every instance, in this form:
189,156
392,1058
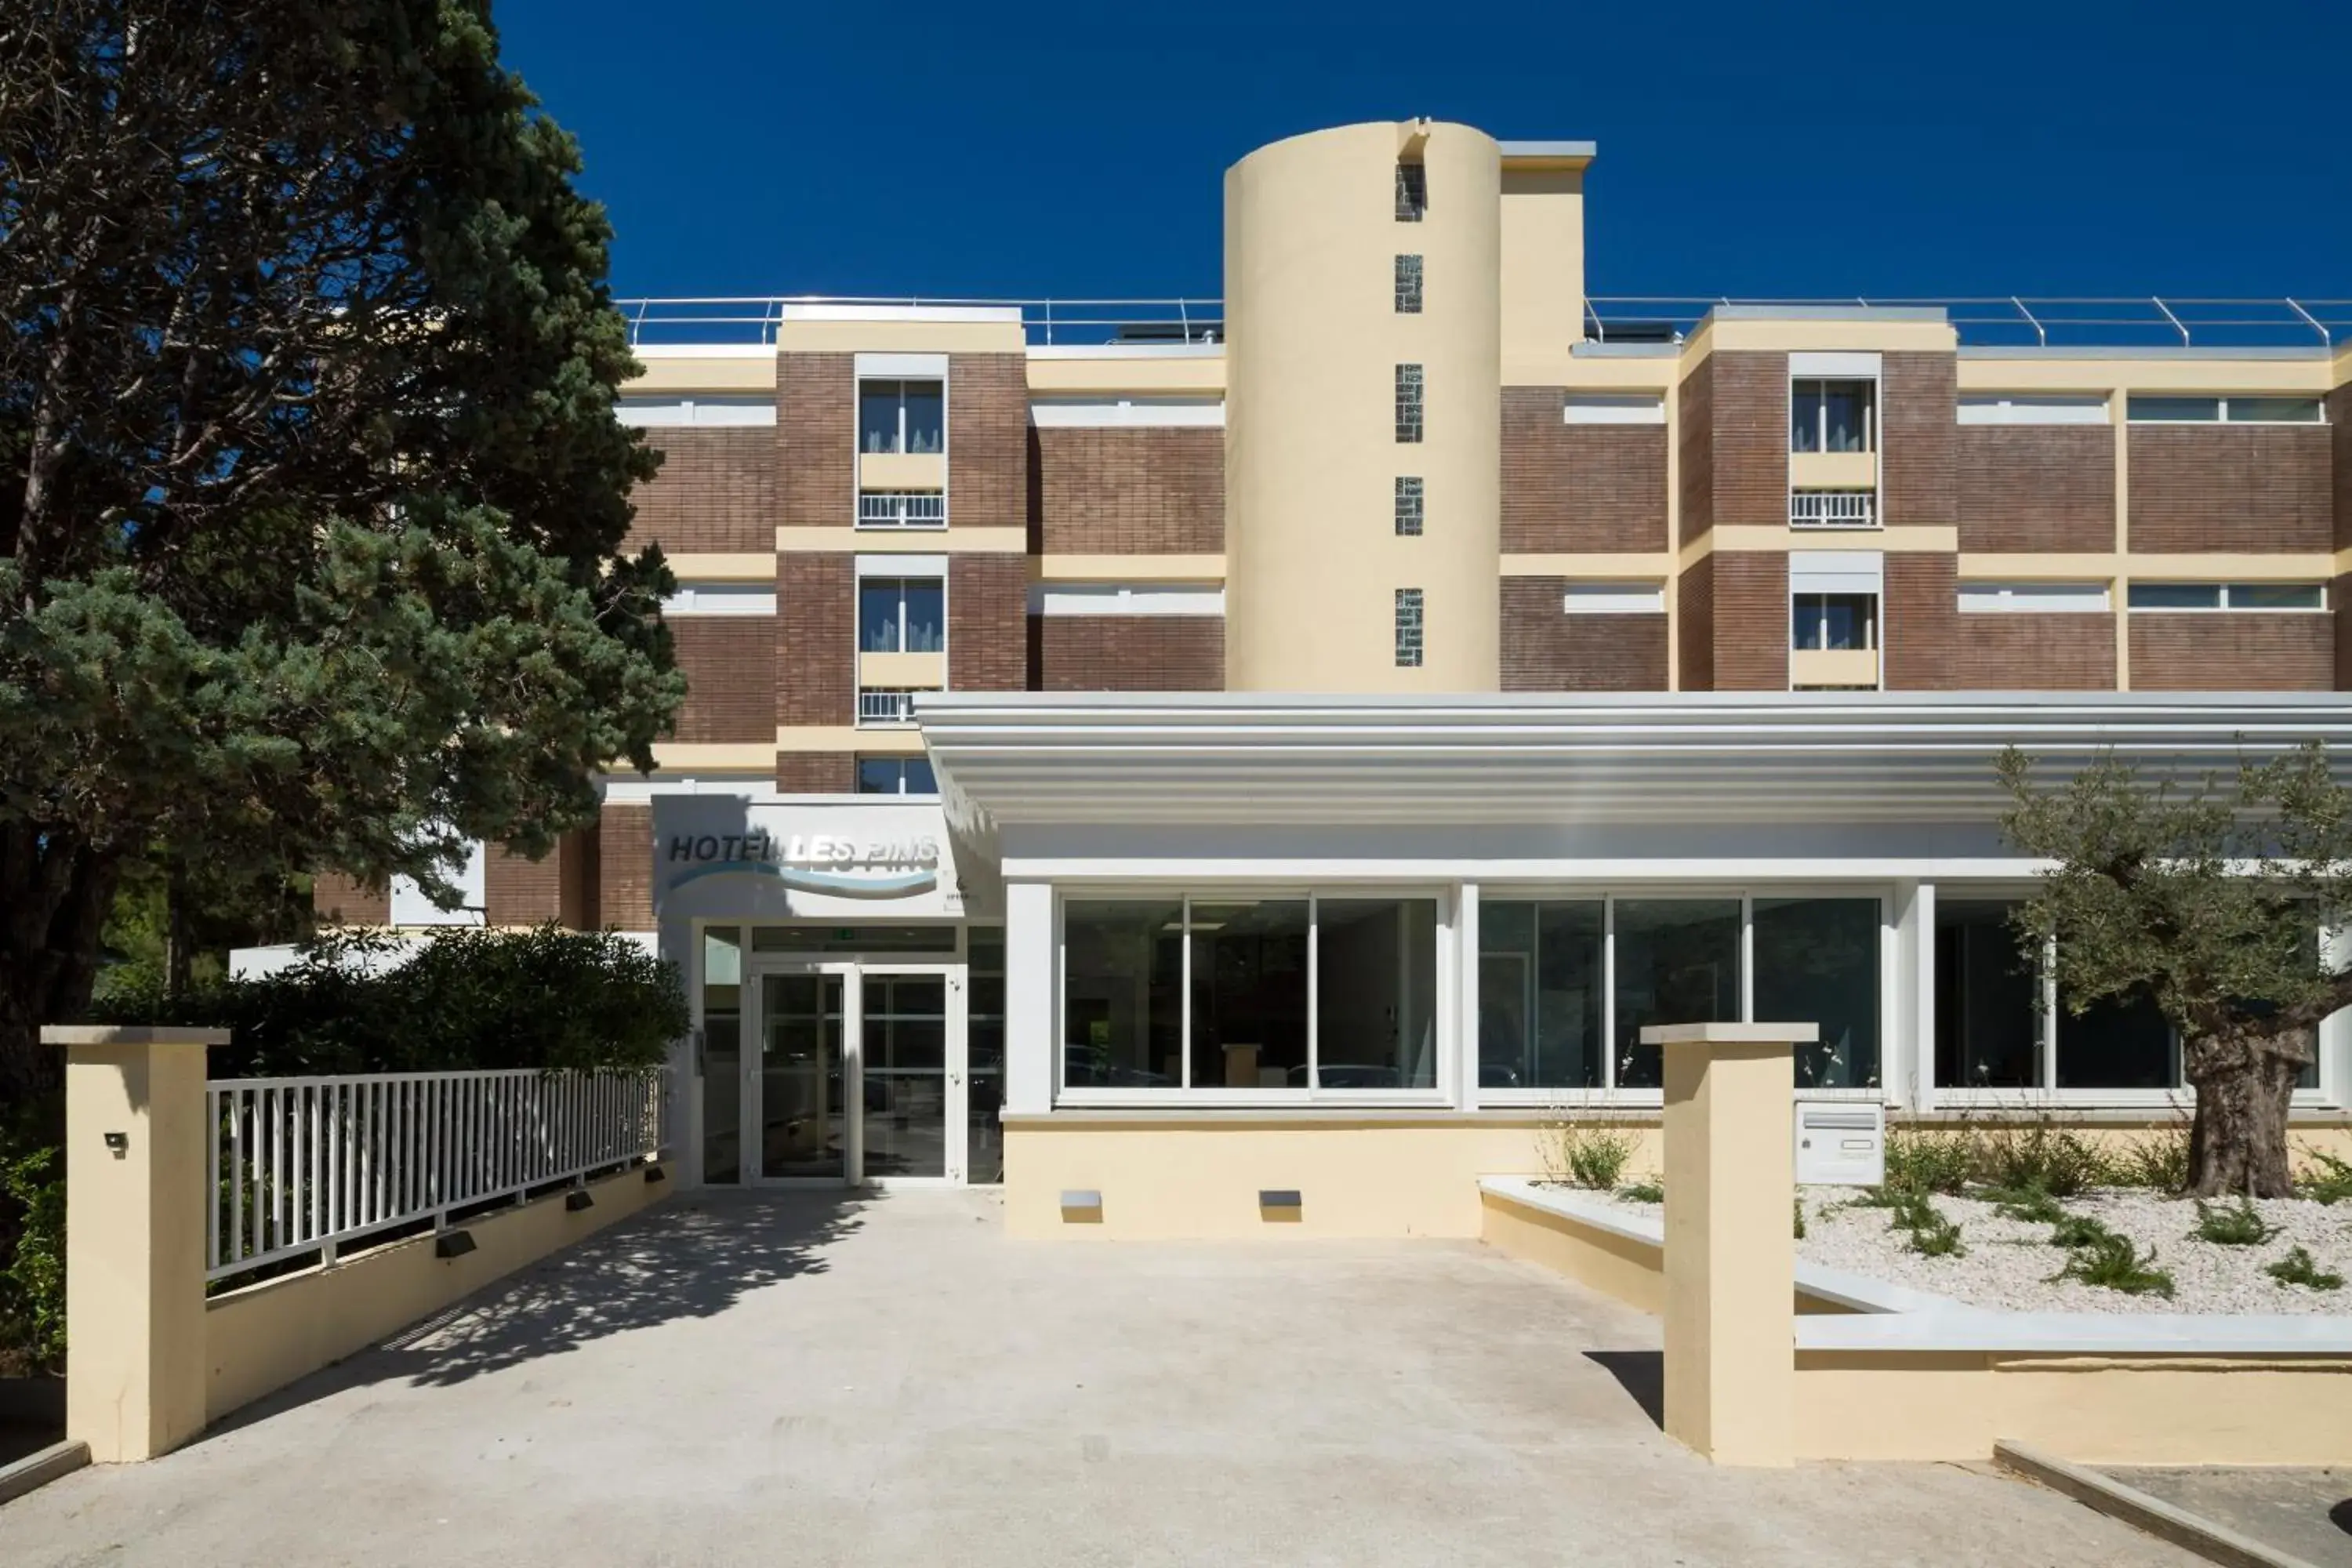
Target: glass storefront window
1818,961
984,1044
812,938
1988,1005
1376,993
1122,1008
722,1054
1678,963
1249,995
1540,995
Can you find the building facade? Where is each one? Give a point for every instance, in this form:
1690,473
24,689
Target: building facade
1388,687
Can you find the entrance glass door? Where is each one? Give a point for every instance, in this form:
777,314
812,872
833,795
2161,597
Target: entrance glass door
801,1097
904,1069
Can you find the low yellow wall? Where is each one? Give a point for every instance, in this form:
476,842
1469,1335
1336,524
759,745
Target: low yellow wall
262,1338
1165,1176
1632,1271
2145,1410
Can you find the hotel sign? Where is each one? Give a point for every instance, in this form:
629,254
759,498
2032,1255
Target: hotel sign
880,867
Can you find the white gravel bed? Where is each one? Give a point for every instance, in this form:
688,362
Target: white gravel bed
2009,1264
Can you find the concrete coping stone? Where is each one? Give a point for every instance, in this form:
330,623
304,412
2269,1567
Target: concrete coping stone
1888,1317
2191,1531
41,1467
1730,1034
129,1035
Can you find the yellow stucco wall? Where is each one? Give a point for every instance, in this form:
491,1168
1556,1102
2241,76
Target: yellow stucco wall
264,1337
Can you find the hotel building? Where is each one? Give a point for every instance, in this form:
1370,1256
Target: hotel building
1178,752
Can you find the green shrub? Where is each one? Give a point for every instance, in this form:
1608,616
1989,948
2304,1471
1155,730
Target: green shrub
1583,1156
1932,1234
2079,1230
1649,1190
1927,1160
2158,1162
2054,1159
32,1246
2240,1226
2298,1268
2113,1263
1800,1232
365,1001
2326,1180
2024,1203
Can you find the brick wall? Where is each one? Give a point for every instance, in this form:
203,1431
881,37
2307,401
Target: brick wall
518,892
625,859
729,663
1694,434
1918,627
2218,488
716,491
817,441
2340,430
1918,424
816,639
2223,652
988,623
816,772
1547,650
1128,491
1694,627
1751,621
988,440
339,900
1128,653
1578,486
2339,594
2037,487
2036,652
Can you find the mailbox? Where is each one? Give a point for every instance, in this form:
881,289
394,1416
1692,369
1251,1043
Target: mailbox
1841,1143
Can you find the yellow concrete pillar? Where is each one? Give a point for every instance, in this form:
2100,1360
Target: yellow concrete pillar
135,1196
1731,1261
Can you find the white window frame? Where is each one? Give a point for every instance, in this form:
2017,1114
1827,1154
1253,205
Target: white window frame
1110,411
1608,1093
2035,409
1870,432
2221,605
699,599
2221,408
901,761
2180,1096
1613,408
2035,598
1444,1045
857,412
1082,599
1604,597
706,409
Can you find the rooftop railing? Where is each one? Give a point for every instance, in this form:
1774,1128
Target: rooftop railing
2119,322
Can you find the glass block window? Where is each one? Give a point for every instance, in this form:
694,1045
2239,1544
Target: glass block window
1407,284
1408,628
1407,403
1411,191
1408,506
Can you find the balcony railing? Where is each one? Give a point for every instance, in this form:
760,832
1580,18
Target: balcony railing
1833,509
902,509
881,709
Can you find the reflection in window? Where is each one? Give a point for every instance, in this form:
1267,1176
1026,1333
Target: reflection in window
1249,995
2119,1043
900,417
901,614
1540,995
1122,1009
722,1054
895,775
1376,993
1831,415
985,1048
1833,621
1988,1005
1817,962
1678,963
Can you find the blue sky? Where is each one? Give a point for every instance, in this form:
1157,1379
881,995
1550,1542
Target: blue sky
1791,149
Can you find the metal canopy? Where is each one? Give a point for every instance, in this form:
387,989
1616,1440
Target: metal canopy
1694,757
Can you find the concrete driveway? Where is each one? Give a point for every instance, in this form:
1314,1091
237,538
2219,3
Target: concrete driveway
806,1380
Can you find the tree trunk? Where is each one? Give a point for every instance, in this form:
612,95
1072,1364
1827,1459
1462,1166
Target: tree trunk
177,948
2237,1144
55,891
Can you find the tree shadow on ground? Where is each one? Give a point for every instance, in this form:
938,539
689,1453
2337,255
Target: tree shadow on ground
1642,1374
695,1256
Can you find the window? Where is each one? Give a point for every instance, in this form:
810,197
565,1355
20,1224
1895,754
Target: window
1999,1025
722,599
2032,597
901,614
722,1053
1614,408
1677,962
901,416
816,938
1408,506
2172,410
1817,960
1408,403
1250,993
1408,628
1540,994
703,408
895,775
2032,408
1831,415
1821,621
1407,284
984,1046
1411,191
2227,597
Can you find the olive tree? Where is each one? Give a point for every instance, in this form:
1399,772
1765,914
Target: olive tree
2209,900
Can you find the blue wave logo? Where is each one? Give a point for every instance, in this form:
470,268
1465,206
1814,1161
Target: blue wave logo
837,883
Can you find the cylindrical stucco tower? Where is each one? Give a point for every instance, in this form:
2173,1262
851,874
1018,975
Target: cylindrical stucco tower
1315,552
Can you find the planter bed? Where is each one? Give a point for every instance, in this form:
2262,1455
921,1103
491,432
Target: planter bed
2009,1265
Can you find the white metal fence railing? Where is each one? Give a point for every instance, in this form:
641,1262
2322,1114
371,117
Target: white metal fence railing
878,707
304,1165
902,509
1833,509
